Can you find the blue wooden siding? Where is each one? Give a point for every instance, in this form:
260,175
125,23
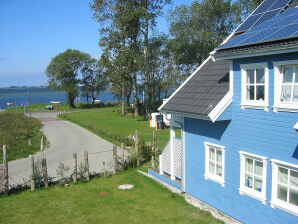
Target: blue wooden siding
267,134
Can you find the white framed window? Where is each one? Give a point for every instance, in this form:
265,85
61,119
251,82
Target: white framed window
215,163
284,186
286,86
254,86
253,172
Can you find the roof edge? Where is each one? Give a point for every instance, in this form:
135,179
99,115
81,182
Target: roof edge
221,106
254,53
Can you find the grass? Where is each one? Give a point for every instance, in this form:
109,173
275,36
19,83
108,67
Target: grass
147,202
15,131
114,124
64,106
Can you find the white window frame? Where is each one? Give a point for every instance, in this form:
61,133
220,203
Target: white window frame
208,175
278,72
254,104
261,196
275,202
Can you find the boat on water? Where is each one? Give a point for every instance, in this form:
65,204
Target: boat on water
55,102
9,104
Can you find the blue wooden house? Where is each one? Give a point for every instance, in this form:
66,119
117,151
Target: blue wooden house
238,116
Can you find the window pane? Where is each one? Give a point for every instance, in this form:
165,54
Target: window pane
282,192
286,92
212,154
248,180
260,93
211,168
258,184
295,97
293,197
250,94
219,156
248,165
259,168
260,76
283,175
288,75
293,178
219,170
250,76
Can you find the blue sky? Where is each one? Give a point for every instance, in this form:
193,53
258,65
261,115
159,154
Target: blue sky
34,31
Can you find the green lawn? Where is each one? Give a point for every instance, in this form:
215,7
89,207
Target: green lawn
112,122
66,107
148,202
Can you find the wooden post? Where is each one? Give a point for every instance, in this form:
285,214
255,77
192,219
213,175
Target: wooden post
154,145
31,168
5,166
74,166
86,166
41,144
45,172
137,147
123,157
114,159
152,161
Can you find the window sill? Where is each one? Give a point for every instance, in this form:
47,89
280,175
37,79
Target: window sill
284,206
215,179
255,106
285,108
253,194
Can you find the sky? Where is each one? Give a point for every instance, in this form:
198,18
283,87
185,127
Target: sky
34,31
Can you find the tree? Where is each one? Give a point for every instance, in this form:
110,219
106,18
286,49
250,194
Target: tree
93,79
197,29
63,72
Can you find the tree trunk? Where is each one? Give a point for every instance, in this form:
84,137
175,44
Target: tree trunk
71,99
135,95
123,100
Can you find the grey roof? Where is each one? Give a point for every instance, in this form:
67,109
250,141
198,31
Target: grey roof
203,91
254,48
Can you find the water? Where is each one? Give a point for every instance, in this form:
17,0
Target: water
42,95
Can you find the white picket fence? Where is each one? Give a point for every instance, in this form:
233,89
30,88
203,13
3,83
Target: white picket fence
165,158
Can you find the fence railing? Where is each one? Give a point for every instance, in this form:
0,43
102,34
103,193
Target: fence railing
77,166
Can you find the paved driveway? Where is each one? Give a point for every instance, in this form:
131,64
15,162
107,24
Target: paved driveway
65,138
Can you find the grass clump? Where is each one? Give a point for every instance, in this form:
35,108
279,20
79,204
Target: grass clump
21,135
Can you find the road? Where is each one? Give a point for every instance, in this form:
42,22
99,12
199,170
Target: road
65,138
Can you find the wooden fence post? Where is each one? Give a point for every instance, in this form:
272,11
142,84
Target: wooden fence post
114,159
31,168
152,161
5,166
86,166
41,144
74,166
154,145
137,147
123,157
45,171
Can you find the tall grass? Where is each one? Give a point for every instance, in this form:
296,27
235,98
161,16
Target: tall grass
15,132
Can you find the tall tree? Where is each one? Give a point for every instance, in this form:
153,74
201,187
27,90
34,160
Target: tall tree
246,7
63,72
93,79
197,29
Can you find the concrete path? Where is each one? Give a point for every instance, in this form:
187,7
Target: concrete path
65,138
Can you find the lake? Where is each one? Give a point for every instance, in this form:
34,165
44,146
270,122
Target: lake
42,95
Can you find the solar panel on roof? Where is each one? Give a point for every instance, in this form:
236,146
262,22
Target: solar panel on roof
265,11
281,26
